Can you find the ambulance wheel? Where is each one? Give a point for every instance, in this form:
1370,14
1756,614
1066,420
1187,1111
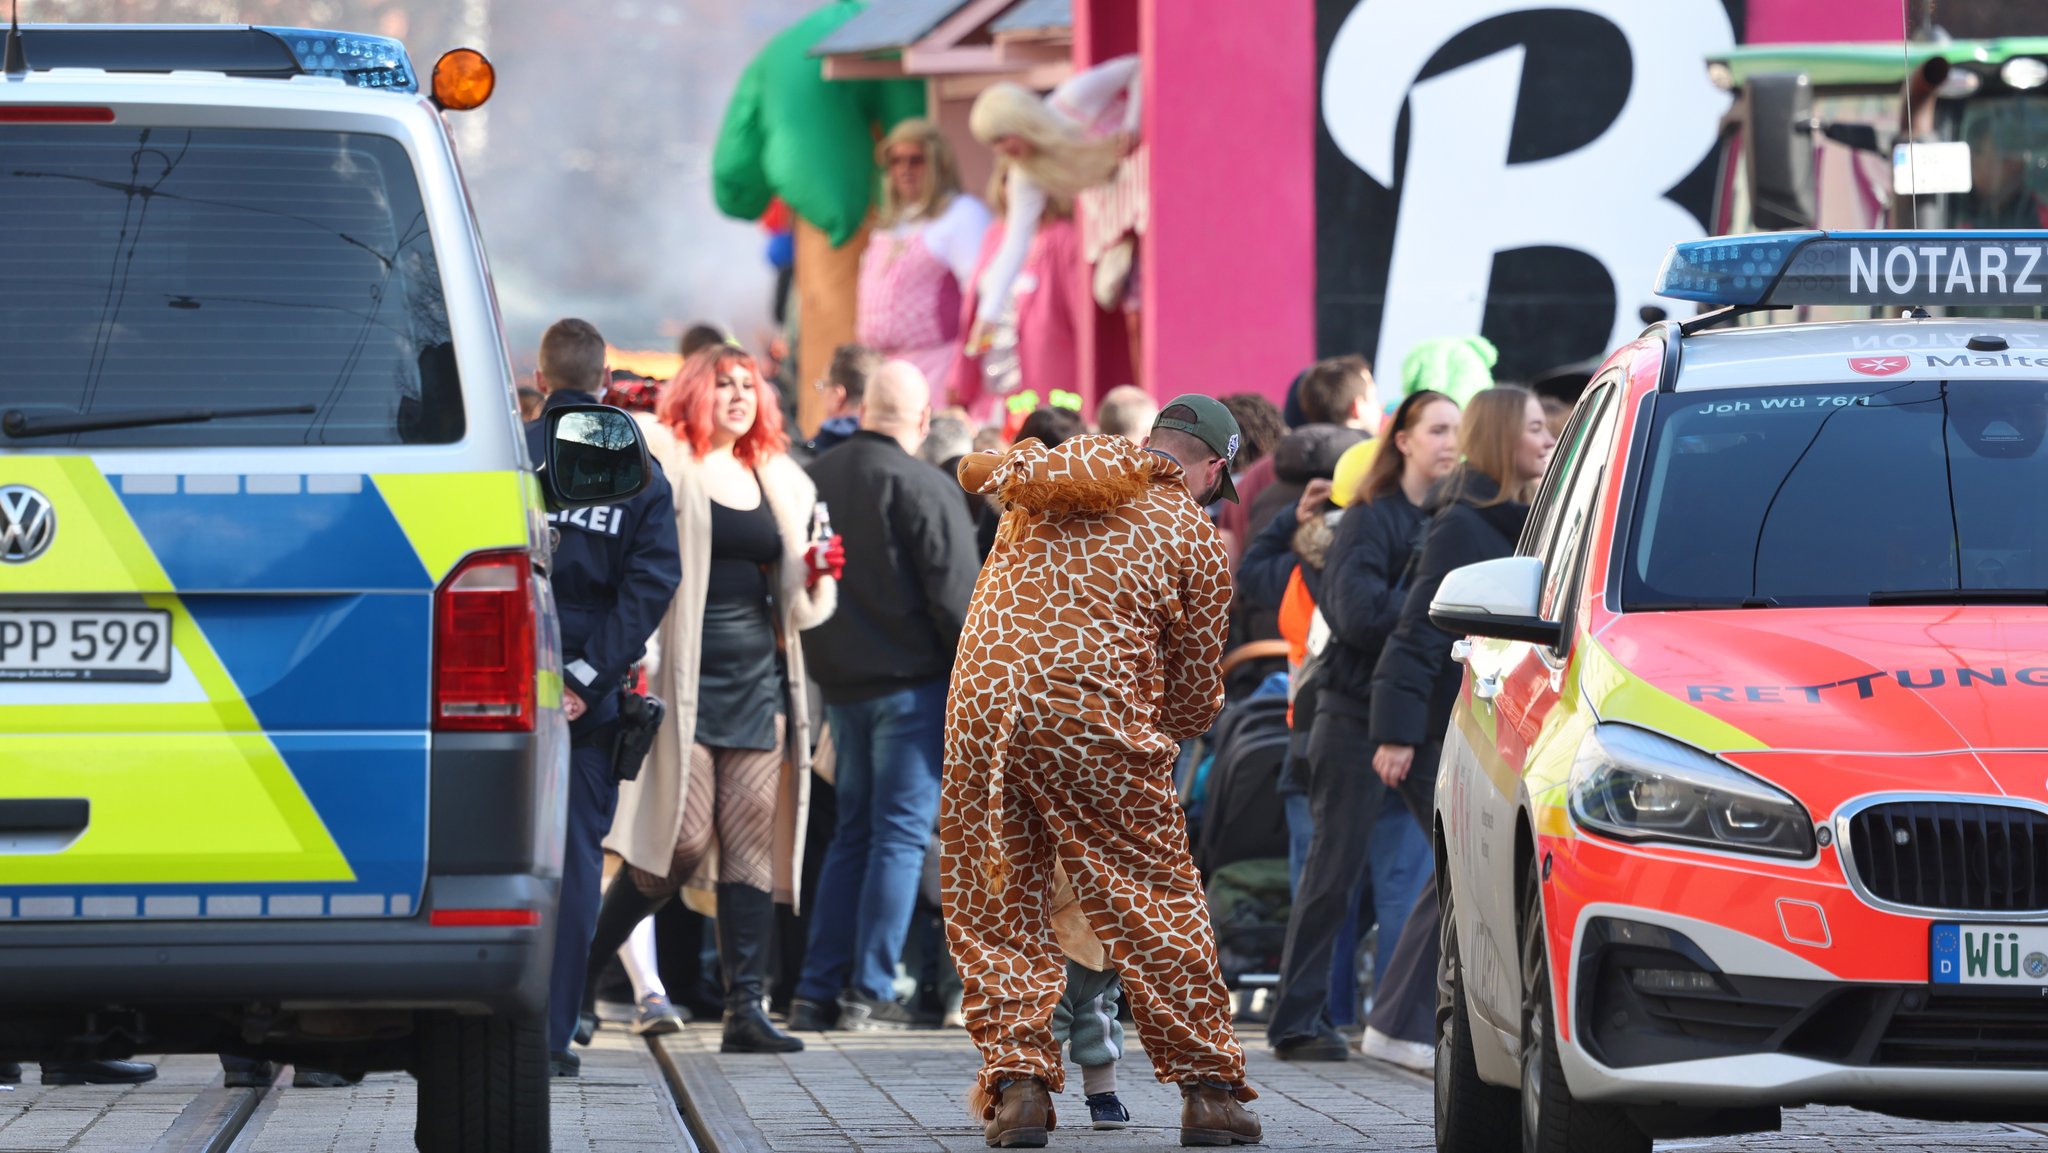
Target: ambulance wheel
1471,1115
1553,1121
483,1084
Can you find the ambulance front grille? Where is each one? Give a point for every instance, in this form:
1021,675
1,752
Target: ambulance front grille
1951,855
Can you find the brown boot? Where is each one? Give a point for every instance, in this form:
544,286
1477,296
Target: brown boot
1023,1115
1210,1115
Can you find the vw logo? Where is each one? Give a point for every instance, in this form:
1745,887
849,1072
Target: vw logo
27,524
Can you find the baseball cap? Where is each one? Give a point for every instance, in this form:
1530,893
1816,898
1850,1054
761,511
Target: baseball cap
1212,425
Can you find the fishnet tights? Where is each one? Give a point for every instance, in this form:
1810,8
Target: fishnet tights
732,796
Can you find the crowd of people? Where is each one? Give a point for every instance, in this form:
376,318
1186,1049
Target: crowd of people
805,619
867,822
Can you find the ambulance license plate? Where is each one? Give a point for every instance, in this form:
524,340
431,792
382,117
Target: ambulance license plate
85,645
1979,954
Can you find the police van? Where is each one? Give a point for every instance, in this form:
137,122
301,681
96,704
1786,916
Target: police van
281,752
1744,803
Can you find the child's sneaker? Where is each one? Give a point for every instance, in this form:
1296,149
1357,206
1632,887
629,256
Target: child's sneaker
1106,1112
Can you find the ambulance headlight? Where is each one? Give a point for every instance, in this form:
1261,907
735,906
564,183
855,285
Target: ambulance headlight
1633,785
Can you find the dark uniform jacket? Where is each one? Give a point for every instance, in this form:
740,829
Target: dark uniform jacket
615,570
1361,595
910,567
1415,684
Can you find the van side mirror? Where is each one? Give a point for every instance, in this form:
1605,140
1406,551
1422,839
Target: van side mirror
594,456
1496,598
1779,131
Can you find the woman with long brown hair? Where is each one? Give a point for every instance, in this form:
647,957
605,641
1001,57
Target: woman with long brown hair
1361,593
721,799
1507,446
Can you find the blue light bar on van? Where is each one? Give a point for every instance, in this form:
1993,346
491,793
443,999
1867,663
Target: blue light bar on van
1860,268
362,61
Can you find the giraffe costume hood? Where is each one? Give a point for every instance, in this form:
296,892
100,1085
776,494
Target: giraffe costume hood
1092,648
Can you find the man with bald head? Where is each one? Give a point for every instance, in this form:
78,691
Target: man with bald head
883,661
1127,411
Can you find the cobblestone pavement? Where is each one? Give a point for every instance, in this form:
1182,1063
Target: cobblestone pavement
873,1092
906,1093
618,1105
101,1118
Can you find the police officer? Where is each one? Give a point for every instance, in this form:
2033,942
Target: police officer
615,570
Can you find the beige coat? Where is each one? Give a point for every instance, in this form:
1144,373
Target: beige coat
650,814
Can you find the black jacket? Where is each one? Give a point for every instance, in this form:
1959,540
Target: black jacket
1362,596
1268,563
1415,684
615,570
910,568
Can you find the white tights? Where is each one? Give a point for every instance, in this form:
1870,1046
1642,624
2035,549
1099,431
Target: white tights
637,955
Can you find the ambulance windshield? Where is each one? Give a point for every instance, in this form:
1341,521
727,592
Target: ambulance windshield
1842,494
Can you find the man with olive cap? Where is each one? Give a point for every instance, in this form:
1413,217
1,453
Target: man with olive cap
1093,646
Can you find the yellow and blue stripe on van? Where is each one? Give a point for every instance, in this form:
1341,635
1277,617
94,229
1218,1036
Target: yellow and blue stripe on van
282,770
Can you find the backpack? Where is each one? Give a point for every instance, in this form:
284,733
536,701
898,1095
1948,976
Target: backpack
1242,815
1249,905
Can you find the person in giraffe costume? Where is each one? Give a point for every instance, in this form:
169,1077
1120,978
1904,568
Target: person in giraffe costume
1093,646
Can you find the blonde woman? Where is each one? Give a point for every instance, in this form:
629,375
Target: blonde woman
922,252
1048,151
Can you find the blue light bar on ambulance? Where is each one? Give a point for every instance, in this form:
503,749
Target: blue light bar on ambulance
362,61
1860,268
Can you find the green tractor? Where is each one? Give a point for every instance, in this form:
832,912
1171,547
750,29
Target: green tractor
1819,137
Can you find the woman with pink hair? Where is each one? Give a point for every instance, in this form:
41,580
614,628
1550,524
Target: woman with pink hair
721,800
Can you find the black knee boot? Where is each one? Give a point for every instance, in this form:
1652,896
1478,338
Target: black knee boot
746,923
624,907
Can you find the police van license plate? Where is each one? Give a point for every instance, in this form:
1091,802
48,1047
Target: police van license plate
80,645
1977,954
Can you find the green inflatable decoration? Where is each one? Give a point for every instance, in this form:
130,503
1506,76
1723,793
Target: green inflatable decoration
789,132
1457,366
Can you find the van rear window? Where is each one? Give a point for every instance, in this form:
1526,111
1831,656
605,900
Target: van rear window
157,270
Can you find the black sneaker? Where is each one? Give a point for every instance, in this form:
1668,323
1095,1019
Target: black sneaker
862,1014
243,1074
564,1064
98,1072
807,1016
323,1079
1328,1045
10,1072
1105,1111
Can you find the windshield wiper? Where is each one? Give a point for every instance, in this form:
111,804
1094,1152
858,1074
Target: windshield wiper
1960,597
20,425
1673,606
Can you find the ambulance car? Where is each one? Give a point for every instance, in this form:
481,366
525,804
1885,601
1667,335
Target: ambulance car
1744,804
281,750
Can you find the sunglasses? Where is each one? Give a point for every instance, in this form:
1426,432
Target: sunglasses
906,160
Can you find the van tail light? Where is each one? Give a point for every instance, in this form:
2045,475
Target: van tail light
54,114
483,918
483,645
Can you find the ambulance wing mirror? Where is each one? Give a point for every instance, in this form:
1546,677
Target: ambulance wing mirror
594,456
1496,598
1779,133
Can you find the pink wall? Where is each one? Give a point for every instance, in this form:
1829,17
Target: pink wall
1797,21
1230,256
1228,261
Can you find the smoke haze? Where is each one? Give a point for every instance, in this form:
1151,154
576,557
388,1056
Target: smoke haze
591,165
